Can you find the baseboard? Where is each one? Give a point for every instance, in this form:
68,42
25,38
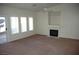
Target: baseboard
63,37
68,38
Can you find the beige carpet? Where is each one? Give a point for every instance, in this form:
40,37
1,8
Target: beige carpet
40,45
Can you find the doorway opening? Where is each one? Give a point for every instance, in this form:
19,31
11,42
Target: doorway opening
2,30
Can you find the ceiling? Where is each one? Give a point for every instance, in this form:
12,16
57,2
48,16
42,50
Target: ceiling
30,6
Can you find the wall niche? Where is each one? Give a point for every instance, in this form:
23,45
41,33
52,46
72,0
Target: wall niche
54,18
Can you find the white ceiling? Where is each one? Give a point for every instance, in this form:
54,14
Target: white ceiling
30,6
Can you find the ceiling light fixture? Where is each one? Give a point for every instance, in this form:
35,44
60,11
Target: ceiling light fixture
45,9
34,5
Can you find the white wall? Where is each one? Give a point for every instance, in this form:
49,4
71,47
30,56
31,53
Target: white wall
42,23
11,11
70,16
69,27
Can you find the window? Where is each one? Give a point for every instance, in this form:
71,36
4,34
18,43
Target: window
14,25
23,21
30,23
2,24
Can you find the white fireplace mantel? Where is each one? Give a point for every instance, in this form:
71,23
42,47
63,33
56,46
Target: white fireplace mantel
54,27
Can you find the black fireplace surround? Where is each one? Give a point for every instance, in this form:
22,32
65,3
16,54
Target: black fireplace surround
53,32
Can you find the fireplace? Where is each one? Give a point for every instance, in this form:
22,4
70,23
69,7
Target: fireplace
53,32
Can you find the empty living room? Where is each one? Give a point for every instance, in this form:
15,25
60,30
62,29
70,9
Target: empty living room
39,29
